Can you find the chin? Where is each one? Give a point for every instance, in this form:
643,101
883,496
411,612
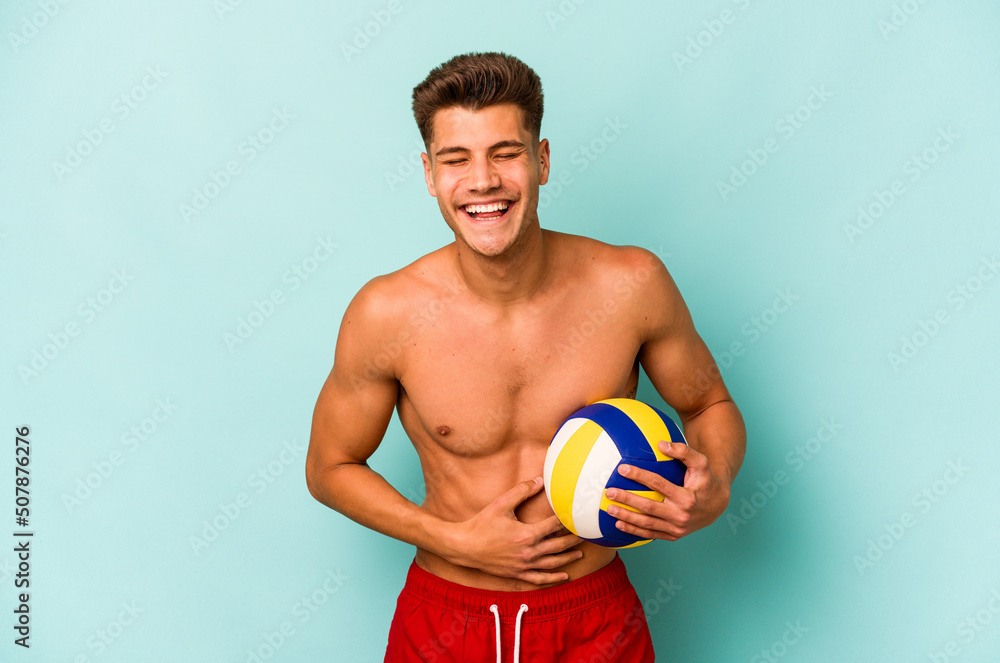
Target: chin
489,250
486,244
495,247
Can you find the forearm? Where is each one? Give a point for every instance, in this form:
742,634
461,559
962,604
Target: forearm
364,496
719,433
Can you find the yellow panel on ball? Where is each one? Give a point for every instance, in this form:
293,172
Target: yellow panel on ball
566,471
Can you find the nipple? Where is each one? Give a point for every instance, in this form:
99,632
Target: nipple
443,430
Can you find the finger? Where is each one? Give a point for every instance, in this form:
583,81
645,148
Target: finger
542,578
676,506
557,545
549,527
562,531
652,481
549,562
643,504
691,457
520,492
653,515
670,535
643,520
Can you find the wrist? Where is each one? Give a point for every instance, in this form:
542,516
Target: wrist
442,537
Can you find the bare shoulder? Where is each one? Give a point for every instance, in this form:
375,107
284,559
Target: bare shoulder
633,266
390,295
634,279
380,314
427,278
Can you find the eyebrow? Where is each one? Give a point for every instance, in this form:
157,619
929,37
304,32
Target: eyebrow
504,143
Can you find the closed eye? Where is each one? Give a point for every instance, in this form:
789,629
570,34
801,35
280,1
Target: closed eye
505,156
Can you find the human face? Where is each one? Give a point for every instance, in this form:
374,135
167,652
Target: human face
486,157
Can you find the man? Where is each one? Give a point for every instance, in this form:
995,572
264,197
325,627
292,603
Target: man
478,346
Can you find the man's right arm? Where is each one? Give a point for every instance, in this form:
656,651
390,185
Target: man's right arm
352,413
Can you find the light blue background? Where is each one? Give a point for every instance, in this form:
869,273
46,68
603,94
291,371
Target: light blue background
803,558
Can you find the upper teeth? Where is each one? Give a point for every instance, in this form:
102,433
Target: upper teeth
492,207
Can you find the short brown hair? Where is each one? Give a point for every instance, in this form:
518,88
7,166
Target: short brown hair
477,80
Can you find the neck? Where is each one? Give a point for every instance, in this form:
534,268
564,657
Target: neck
515,275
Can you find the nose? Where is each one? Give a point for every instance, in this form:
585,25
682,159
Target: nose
483,176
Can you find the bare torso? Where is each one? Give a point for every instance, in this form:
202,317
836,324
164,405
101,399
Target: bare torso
482,390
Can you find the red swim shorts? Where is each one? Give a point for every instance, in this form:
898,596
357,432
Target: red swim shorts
594,619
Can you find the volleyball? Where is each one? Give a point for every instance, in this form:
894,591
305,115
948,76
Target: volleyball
583,458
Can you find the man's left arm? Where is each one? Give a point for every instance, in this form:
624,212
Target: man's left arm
685,374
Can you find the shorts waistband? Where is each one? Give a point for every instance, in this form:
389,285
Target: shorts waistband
550,602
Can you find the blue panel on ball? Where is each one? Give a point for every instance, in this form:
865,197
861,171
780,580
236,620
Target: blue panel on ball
618,481
612,533
613,543
671,470
676,435
619,426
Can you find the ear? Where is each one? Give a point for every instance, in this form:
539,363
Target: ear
428,173
544,161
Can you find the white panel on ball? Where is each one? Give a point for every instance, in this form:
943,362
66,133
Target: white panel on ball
601,462
555,447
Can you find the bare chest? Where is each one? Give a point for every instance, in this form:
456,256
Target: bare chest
476,388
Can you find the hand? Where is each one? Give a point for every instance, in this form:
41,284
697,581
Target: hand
496,542
684,509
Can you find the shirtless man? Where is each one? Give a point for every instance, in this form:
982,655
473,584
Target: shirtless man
478,346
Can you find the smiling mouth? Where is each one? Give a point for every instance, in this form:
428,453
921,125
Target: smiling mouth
488,211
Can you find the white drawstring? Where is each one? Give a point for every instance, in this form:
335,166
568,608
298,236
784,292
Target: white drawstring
517,631
496,615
